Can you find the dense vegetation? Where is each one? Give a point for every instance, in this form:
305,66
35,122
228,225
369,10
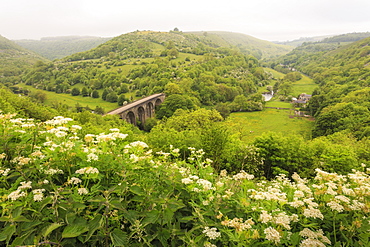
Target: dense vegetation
341,102
14,60
191,178
59,47
143,63
64,188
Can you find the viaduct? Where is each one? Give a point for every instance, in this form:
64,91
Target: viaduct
139,110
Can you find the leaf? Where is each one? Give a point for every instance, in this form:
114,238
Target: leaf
50,228
151,217
163,236
7,233
137,190
21,218
72,231
94,225
118,237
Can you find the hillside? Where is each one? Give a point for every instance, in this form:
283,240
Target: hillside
247,44
342,101
14,59
59,47
137,64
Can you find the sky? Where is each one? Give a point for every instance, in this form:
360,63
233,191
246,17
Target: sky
272,20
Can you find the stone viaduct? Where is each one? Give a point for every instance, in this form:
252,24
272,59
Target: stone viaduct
139,110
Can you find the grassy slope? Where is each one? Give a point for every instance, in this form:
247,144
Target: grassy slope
253,124
73,100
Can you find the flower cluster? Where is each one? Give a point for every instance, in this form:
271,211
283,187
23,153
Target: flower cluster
211,233
87,170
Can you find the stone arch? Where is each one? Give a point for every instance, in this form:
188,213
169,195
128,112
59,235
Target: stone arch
141,114
158,102
130,118
149,110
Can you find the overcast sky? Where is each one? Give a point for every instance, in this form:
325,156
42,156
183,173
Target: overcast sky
273,20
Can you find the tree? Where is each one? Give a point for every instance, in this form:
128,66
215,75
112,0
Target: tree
112,97
39,96
174,102
104,94
75,91
121,99
84,92
95,94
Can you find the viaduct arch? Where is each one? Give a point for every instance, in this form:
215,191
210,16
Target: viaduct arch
139,110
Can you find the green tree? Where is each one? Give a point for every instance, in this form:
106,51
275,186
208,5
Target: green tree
84,92
95,94
104,94
75,91
174,102
112,97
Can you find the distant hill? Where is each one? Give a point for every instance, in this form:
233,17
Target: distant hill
349,37
300,41
247,44
59,47
14,60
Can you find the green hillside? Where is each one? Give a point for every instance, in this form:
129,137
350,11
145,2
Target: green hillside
59,47
342,101
247,44
15,60
138,64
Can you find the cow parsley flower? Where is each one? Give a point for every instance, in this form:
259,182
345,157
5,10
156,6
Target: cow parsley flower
74,180
87,170
272,235
211,233
16,194
82,191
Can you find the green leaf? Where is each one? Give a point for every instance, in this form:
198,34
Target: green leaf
72,231
7,233
78,205
151,217
21,218
137,190
163,236
94,225
47,230
118,237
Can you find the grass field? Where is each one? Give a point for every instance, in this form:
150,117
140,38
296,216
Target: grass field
73,100
305,85
253,124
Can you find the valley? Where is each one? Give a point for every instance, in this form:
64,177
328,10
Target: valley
216,165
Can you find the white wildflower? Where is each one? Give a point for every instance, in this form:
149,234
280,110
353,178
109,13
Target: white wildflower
25,185
74,180
272,235
87,170
92,156
82,191
211,233
16,194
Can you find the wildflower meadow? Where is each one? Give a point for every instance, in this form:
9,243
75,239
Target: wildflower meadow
62,187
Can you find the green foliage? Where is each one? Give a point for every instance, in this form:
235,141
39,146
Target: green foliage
62,186
174,102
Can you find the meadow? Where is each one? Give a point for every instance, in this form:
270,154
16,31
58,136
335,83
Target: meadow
253,124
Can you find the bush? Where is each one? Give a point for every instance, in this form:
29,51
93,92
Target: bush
61,187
